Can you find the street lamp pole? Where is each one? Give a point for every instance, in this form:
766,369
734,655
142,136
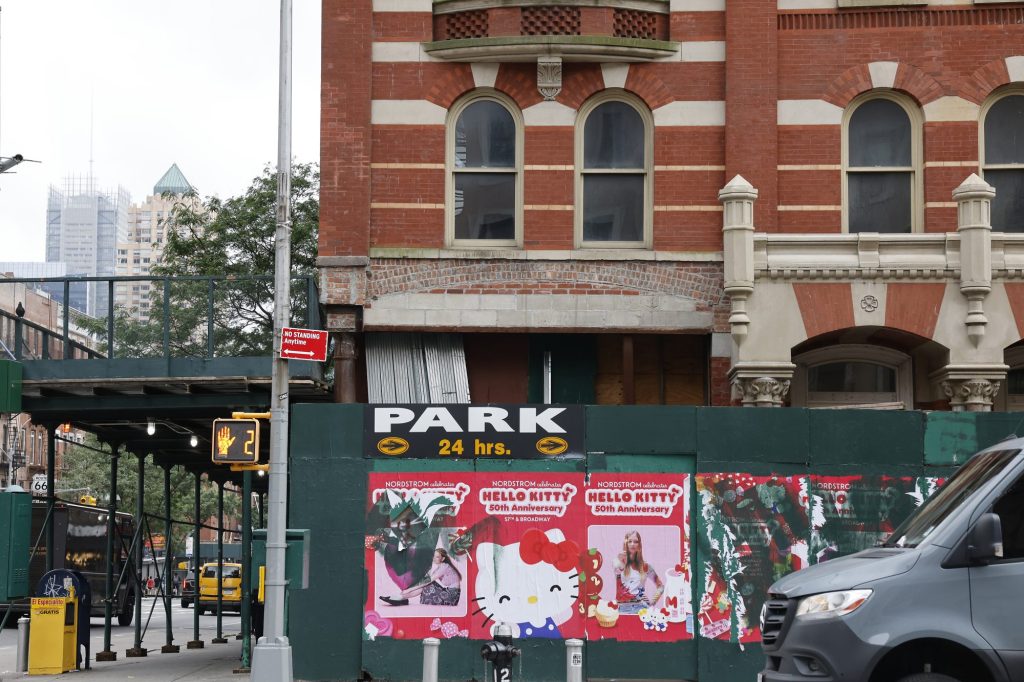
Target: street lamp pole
272,656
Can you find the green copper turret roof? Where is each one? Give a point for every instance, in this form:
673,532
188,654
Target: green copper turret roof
173,181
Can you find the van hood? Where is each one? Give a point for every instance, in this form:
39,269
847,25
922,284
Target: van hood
847,572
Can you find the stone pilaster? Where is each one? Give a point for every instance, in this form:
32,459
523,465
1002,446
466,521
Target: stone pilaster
737,199
974,224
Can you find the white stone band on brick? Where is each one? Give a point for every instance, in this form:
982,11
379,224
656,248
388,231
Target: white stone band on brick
951,109
808,112
809,207
406,112
549,114
399,52
696,5
807,4
403,5
691,113
702,51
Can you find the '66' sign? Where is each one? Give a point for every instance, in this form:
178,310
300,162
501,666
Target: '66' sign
473,431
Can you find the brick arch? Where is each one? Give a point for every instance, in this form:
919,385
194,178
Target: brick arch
456,82
685,280
985,80
579,82
857,80
648,87
519,81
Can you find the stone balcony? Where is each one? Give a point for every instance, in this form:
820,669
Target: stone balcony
874,255
570,30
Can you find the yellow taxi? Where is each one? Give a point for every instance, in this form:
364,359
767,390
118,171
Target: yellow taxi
230,584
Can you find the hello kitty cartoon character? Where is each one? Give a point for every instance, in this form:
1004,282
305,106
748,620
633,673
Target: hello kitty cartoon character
532,584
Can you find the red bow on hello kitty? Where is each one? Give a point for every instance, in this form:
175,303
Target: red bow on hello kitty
535,547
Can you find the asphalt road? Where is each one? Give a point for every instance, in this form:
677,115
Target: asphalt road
213,662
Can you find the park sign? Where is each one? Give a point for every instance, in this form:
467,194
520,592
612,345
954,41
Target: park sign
303,344
473,431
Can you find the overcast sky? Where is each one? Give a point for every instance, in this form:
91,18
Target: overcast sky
192,82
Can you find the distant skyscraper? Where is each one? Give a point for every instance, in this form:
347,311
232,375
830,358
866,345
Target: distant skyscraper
144,245
83,227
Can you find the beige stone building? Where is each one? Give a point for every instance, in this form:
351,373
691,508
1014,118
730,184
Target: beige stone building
146,238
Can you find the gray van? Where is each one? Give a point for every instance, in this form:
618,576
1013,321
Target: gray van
942,600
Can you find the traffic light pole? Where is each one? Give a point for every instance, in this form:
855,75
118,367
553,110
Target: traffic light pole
272,656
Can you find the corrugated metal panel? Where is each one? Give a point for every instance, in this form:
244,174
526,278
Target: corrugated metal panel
406,367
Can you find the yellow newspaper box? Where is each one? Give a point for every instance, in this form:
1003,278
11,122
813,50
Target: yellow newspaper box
53,635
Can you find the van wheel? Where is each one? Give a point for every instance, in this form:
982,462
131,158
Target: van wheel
124,618
928,677
200,610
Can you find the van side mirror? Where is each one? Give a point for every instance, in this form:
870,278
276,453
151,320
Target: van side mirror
985,541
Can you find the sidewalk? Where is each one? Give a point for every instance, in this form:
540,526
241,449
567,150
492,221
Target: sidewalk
213,663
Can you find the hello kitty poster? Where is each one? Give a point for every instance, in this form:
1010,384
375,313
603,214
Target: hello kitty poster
527,573
639,580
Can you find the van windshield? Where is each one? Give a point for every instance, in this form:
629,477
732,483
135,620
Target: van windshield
971,476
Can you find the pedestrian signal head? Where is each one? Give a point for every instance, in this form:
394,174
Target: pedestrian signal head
236,441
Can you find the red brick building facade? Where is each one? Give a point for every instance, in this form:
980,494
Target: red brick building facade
684,201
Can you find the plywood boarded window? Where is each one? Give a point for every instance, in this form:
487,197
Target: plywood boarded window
666,369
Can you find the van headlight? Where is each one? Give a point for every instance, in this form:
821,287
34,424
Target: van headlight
831,604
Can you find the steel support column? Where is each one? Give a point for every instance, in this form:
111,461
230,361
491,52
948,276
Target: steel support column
219,639
169,647
196,643
246,633
108,605
51,494
136,585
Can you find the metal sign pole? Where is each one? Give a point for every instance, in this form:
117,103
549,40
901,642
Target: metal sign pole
272,656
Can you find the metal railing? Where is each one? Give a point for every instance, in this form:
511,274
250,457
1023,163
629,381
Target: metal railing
182,316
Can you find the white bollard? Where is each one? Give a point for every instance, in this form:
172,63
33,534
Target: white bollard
23,644
574,660
431,647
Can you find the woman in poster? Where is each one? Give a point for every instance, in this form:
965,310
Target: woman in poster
632,576
442,586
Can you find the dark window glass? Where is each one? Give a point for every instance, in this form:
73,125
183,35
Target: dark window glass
485,205
880,202
485,137
1004,131
851,377
1008,204
613,137
613,208
879,135
1015,382
1010,508
968,479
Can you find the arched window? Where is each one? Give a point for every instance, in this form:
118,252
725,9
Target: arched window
613,173
1002,150
484,176
881,160
853,375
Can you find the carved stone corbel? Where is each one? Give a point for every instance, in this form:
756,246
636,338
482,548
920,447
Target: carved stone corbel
738,239
971,388
549,77
762,384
